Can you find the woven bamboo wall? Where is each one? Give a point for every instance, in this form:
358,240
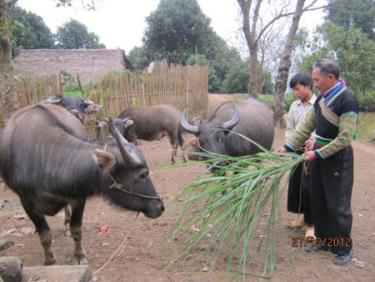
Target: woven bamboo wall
174,85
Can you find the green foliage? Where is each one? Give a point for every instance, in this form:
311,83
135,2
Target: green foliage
200,59
74,93
288,100
175,29
70,83
74,35
266,99
229,209
215,84
351,49
28,31
354,13
367,101
138,57
366,126
355,53
237,78
268,86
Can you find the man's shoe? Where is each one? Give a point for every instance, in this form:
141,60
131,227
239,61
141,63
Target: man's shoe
295,224
344,259
316,249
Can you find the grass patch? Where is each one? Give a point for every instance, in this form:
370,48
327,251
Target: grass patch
74,93
366,126
266,99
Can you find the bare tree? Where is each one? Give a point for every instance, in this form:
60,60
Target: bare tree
253,31
284,65
285,60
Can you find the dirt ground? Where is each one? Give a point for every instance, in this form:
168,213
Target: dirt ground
144,254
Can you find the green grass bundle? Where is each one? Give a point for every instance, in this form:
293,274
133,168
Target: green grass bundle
233,212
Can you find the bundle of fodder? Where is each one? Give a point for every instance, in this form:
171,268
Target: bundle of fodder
234,211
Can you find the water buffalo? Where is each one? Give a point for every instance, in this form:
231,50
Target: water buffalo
125,126
155,122
78,106
248,117
45,160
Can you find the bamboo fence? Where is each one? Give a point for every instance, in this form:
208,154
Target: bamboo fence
181,86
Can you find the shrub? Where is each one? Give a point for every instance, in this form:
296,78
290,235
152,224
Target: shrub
367,102
266,99
288,100
70,83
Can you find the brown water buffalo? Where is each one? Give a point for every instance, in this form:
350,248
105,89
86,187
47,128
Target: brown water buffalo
153,123
250,118
45,160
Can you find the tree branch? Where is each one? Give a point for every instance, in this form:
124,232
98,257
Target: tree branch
281,15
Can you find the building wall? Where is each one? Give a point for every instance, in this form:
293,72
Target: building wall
90,64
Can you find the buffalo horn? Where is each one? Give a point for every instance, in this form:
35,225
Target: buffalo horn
186,125
52,100
127,151
234,119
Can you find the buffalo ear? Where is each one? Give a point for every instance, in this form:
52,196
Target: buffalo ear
128,122
102,124
104,159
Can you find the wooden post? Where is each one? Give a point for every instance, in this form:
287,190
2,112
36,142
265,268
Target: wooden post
80,85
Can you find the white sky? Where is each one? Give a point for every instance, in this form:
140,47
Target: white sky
121,23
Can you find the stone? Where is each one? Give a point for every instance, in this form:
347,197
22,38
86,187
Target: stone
58,273
11,269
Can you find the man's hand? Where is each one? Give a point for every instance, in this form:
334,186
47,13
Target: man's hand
309,145
309,155
282,150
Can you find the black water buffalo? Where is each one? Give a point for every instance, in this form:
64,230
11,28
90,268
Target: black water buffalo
78,106
45,160
155,122
249,118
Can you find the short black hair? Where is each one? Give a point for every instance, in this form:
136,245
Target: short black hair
301,78
328,66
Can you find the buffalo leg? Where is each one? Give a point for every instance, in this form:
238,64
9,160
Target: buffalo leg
78,207
44,232
183,154
174,144
67,215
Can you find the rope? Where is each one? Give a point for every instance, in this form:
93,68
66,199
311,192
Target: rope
118,251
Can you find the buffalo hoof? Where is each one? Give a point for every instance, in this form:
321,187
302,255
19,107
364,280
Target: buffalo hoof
50,261
81,260
67,233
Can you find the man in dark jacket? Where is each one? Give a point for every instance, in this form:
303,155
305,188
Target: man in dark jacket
334,120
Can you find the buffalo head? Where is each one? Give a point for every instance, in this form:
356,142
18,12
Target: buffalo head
124,125
131,185
211,133
78,106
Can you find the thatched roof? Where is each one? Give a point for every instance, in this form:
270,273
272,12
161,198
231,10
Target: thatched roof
90,64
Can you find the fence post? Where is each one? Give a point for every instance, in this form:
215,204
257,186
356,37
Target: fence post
187,86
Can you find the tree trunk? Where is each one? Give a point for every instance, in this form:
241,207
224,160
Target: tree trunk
8,92
252,45
283,70
253,79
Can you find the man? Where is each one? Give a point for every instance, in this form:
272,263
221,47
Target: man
334,119
298,190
